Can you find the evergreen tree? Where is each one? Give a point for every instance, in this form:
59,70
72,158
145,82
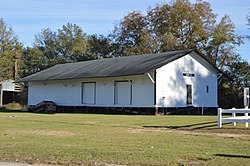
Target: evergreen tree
10,52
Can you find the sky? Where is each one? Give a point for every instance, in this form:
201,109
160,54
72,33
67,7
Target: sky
28,17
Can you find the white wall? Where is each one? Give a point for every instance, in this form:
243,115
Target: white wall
62,92
68,93
8,85
171,84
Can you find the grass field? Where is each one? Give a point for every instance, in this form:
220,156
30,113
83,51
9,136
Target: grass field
89,139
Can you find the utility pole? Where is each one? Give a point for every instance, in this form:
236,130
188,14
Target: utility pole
1,96
14,74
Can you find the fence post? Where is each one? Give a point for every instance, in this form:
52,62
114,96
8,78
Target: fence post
219,117
246,115
234,115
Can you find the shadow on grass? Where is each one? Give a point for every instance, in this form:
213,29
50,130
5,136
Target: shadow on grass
196,126
6,110
11,110
233,156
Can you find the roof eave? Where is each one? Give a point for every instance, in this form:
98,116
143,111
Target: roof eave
96,77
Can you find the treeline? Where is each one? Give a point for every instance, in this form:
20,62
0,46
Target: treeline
172,26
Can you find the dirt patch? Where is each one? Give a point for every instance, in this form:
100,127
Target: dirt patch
136,131
213,134
194,161
20,164
186,132
30,161
51,133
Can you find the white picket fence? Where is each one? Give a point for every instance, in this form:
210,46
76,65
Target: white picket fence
241,119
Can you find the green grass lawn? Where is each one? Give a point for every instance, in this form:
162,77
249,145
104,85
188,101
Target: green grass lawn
94,139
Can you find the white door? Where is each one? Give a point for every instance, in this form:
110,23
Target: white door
88,92
123,93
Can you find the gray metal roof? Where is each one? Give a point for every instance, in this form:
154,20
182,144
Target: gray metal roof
110,67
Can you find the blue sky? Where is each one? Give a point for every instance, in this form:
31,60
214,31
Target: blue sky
28,17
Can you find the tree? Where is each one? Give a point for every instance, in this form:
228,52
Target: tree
47,42
10,52
239,70
99,46
72,43
131,36
33,61
68,44
182,25
232,92
175,26
42,55
221,46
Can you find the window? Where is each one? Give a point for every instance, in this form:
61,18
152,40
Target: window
207,89
88,92
123,93
188,74
189,95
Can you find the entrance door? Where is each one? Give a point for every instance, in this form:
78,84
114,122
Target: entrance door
88,92
123,93
189,95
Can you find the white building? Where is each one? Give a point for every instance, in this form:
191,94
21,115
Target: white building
8,91
170,79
